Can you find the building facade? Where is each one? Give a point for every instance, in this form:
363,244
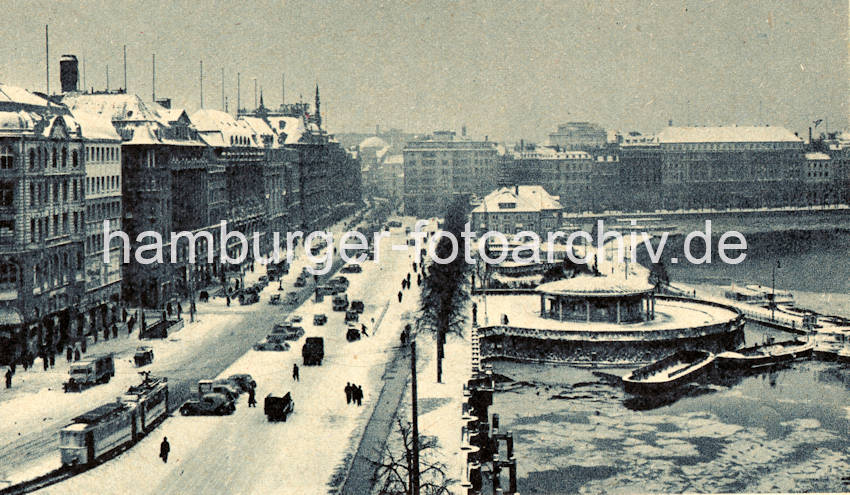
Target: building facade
42,225
441,167
511,210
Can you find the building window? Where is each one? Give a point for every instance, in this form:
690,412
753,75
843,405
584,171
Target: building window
55,158
64,158
75,160
33,163
8,277
7,158
7,193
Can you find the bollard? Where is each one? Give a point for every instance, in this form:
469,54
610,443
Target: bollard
512,476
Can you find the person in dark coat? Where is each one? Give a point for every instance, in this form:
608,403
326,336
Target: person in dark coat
363,330
418,280
474,313
69,353
358,393
349,392
168,309
83,346
399,296
130,324
252,400
9,378
295,375
115,330
45,361
76,355
228,300
164,449
179,310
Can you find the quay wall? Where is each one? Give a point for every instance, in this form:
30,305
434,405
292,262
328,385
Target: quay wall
629,346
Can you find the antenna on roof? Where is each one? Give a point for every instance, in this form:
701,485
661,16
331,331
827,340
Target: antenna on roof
238,96
153,84
202,84
47,58
223,103
125,68
282,88
107,78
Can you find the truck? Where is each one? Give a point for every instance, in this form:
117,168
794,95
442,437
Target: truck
278,408
313,351
90,372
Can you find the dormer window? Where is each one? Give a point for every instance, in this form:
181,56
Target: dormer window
507,206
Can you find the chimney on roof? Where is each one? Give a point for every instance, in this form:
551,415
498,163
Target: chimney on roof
670,123
463,130
69,74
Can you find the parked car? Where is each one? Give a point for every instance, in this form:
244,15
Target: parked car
327,290
352,268
351,316
296,318
275,299
357,305
288,330
143,355
352,334
212,404
243,381
278,408
313,351
263,281
292,299
340,302
223,387
272,342
340,282
300,281
320,319
248,297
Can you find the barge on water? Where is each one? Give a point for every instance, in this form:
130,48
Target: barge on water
669,373
766,354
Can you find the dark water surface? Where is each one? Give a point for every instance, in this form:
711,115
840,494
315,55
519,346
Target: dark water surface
782,430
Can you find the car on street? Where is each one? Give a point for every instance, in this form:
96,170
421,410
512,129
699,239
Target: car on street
313,351
242,381
352,268
357,305
340,302
212,404
223,387
278,408
300,281
320,319
352,334
296,318
288,330
272,342
351,316
340,282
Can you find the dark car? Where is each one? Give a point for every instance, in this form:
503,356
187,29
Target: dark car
243,381
357,305
278,408
320,319
313,351
352,334
208,405
351,316
352,268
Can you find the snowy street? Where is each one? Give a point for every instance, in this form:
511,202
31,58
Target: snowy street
243,453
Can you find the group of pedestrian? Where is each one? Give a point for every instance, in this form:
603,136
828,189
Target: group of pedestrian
353,394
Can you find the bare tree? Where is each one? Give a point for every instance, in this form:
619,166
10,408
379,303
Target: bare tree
395,467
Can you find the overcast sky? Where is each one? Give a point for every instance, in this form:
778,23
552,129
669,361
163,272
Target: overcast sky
507,70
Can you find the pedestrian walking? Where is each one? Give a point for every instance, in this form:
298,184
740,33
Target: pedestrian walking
228,300
399,296
45,361
69,353
130,324
474,314
9,378
418,280
252,400
114,330
358,391
52,358
76,355
348,393
123,314
105,333
168,309
164,449
295,375
179,310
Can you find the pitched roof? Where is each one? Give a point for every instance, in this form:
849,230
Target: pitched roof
526,198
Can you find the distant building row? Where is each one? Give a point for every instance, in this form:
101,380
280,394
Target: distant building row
679,168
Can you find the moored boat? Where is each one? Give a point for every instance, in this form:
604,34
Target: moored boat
766,354
667,374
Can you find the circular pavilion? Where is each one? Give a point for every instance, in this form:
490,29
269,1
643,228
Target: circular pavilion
591,298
